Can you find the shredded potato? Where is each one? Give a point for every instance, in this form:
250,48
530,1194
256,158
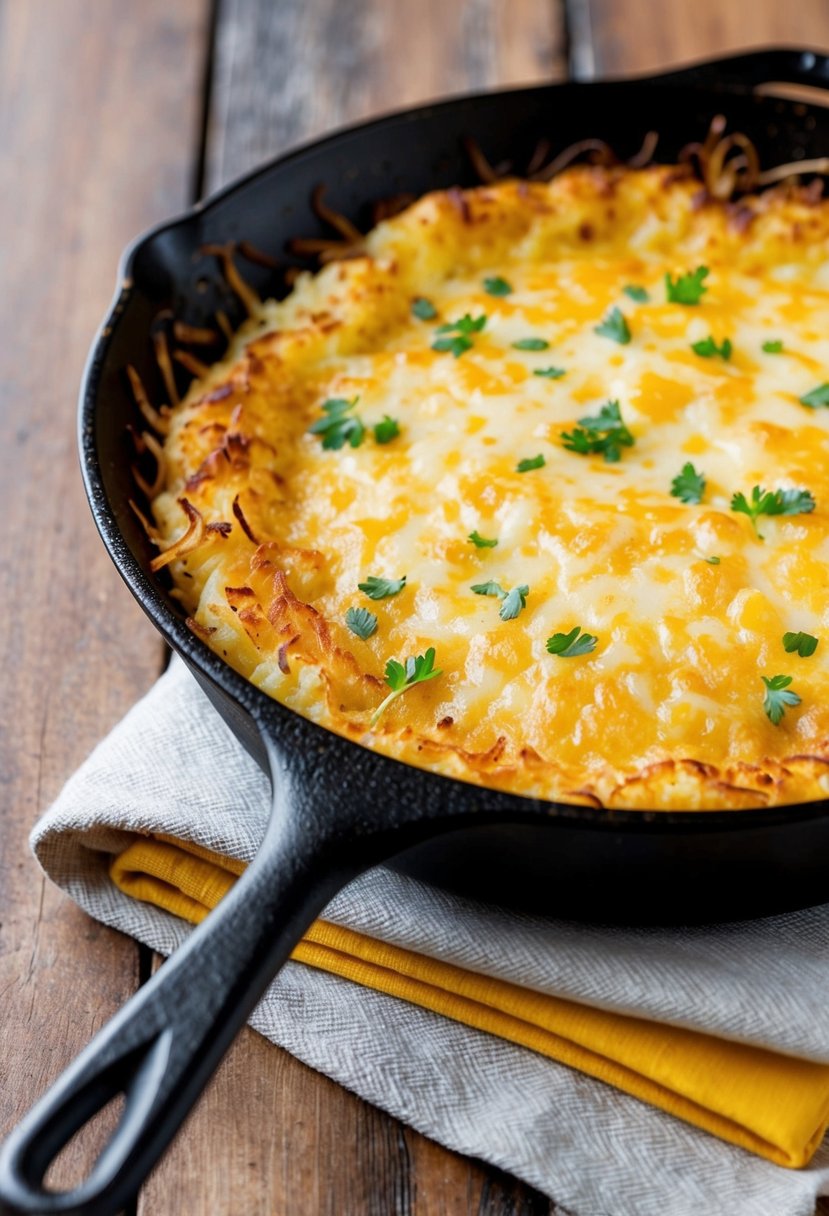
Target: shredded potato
688,605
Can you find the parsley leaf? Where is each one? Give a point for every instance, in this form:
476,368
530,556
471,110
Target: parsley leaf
361,621
423,309
713,561
817,397
497,286
795,502
686,288
803,643
400,677
466,325
460,340
512,601
605,432
489,588
636,293
773,348
386,430
571,645
530,462
608,416
339,426
778,697
481,542
531,344
579,441
456,345
707,348
382,588
689,485
615,327
550,373
773,502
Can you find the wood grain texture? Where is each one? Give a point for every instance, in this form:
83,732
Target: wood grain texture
270,1135
615,37
287,71
81,177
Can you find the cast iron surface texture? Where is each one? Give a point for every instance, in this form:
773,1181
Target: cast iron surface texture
339,808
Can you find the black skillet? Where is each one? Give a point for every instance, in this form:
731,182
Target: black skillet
339,808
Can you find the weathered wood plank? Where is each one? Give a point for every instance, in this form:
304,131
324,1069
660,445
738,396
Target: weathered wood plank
609,38
271,1135
80,93
286,72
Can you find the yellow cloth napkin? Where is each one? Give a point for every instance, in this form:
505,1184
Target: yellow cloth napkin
774,1105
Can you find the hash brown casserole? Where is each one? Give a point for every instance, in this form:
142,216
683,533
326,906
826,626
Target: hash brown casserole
541,475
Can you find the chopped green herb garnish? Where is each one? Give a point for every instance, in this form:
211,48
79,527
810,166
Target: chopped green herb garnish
713,561
466,325
530,462
339,426
707,348
604,432
386,430
636,293
481,542
461,330
773,348
511,601
497,286
361,621
778,697
400,677
817,397
531,344
803,643
689,485
456,345
514,602
773,502
686,288
423,309
489,588
382,588
550,373
571,645
615,327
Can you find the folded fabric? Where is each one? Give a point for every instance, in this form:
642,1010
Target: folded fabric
468,1022
771,1104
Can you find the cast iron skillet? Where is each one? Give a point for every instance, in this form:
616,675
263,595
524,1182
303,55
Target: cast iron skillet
337,807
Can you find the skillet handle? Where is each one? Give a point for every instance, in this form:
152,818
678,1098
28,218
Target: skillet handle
743,73
162,1047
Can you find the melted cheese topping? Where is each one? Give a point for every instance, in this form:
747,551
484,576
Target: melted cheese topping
667,711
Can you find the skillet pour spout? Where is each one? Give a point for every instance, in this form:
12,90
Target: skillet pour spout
339,808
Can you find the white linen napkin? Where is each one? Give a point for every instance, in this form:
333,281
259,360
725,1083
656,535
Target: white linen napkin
172,766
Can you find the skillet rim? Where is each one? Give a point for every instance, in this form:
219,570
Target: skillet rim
256,703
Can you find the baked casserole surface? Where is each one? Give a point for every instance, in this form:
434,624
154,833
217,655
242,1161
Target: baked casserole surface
618,383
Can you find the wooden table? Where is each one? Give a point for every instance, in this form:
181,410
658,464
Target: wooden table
113,116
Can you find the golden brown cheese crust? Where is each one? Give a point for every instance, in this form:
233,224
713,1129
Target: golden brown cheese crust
667,711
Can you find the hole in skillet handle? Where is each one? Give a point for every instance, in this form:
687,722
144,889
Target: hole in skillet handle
163,1046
